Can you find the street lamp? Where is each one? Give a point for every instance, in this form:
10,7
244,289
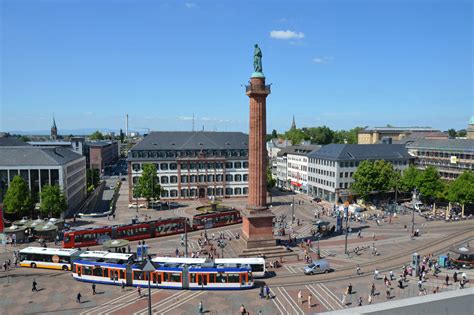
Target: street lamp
414,198
346,214
222,244
293,211
318,252
149,268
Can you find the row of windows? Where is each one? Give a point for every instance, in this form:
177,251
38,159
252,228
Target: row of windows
350,163
322,172
189,153
297,166
198,178
322,162
194,192
194,166
346,174
45,258
445,154
321,181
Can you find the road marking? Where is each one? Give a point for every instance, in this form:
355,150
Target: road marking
289,269
288,298
186,299
163,301
331,295
318,296
126,303
278,303
230,234
108,303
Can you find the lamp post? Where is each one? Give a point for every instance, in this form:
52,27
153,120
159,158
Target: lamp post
318,253
414,198
186,237
149,268
293,211
346,214
222,244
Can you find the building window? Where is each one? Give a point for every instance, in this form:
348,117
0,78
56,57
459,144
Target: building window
238,178
136,167
238,191
237,165
228,191
210,178
341,175
245,191
246,164
246,177
352,173
228,178
346,174
184,178
228,165
345,185
164,193
173,179
164,166
202,178
164,179
340,185
173,166
192,178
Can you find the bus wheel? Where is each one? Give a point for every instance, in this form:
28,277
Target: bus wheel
33,265
65,268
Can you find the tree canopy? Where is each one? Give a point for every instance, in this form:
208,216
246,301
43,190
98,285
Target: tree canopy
18,199
296,136
96,135
429,183
322,135
92,177
409,179
53,202
148,186
373,176
461,189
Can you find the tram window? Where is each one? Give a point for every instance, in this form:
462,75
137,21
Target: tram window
97,271
87,271
159,277
233,278
138,275
106,272
204,279
193,278
175,277
159,229
256,267
221,278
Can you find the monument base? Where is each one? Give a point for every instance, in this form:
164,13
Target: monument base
257,228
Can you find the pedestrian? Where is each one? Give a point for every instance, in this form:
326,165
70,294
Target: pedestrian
373,236
5,266
200,308
372,289
34,288
461,283
376,274
300,297
176,252
464,276
391,275
93,289
447,279
267,291
349,288
455,277
400,282
309,300
360,300
343,302
243,311
388,293
261,292
123,286
358,270
113,215
139,290
359,234
78,298
369,299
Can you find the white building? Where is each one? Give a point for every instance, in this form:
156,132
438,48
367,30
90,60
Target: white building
292,167
273,147
330,169
194,164
40,166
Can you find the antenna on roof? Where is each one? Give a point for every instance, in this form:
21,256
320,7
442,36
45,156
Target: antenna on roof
193,122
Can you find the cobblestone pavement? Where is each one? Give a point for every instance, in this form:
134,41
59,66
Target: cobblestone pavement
58,290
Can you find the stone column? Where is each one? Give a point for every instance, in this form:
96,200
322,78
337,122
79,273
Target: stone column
257,228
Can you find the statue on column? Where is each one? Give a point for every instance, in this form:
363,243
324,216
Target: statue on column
257,59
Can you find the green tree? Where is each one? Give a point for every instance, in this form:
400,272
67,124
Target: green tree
461,189
274,134
53,201
462,133
93,177
429,183
24,138
295,136
452,133
271,182
148,186
18,199
320,135
96,135
372,177
409,178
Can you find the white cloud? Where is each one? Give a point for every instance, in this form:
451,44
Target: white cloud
321,60
286,34
190,5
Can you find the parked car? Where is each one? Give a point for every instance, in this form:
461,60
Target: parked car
318,266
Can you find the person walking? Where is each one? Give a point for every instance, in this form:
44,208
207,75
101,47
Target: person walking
400,282
300,297
261,292
267,291
93,289
200,308
360,301
139,290
369,299
349,288
376,274
78,298
391,275
455,277
343,302
447,279
34,288
388,293
358,270
309,300
242,310
372,289
123,286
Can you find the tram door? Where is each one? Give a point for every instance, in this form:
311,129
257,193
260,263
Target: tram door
185,277
128,275
202,279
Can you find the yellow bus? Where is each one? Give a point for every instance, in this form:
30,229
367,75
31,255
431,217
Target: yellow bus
51,258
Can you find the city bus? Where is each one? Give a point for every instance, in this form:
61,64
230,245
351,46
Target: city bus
107,257
51,258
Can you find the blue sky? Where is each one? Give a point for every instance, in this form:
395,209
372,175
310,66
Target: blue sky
336,63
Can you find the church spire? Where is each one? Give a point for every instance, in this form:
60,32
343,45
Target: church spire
54,123
54,130
293,124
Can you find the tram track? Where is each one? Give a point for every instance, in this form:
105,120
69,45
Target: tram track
396,262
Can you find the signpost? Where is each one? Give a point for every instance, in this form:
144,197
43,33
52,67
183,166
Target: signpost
149,268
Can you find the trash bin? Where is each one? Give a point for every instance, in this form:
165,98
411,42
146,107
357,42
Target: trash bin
443,261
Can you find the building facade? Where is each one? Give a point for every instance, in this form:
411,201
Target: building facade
292,167
193,164
372,135
451,156
273,147
331,168
103,154
45,166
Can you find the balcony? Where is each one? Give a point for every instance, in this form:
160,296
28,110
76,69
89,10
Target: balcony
257,89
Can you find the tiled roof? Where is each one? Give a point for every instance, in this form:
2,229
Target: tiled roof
443,144
11,141
36,156
361,152
299,149
188,140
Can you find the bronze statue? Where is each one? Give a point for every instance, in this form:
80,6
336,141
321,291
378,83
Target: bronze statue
257,59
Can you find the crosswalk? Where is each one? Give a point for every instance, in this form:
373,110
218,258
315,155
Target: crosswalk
116,304
172,302
325,296
323,252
